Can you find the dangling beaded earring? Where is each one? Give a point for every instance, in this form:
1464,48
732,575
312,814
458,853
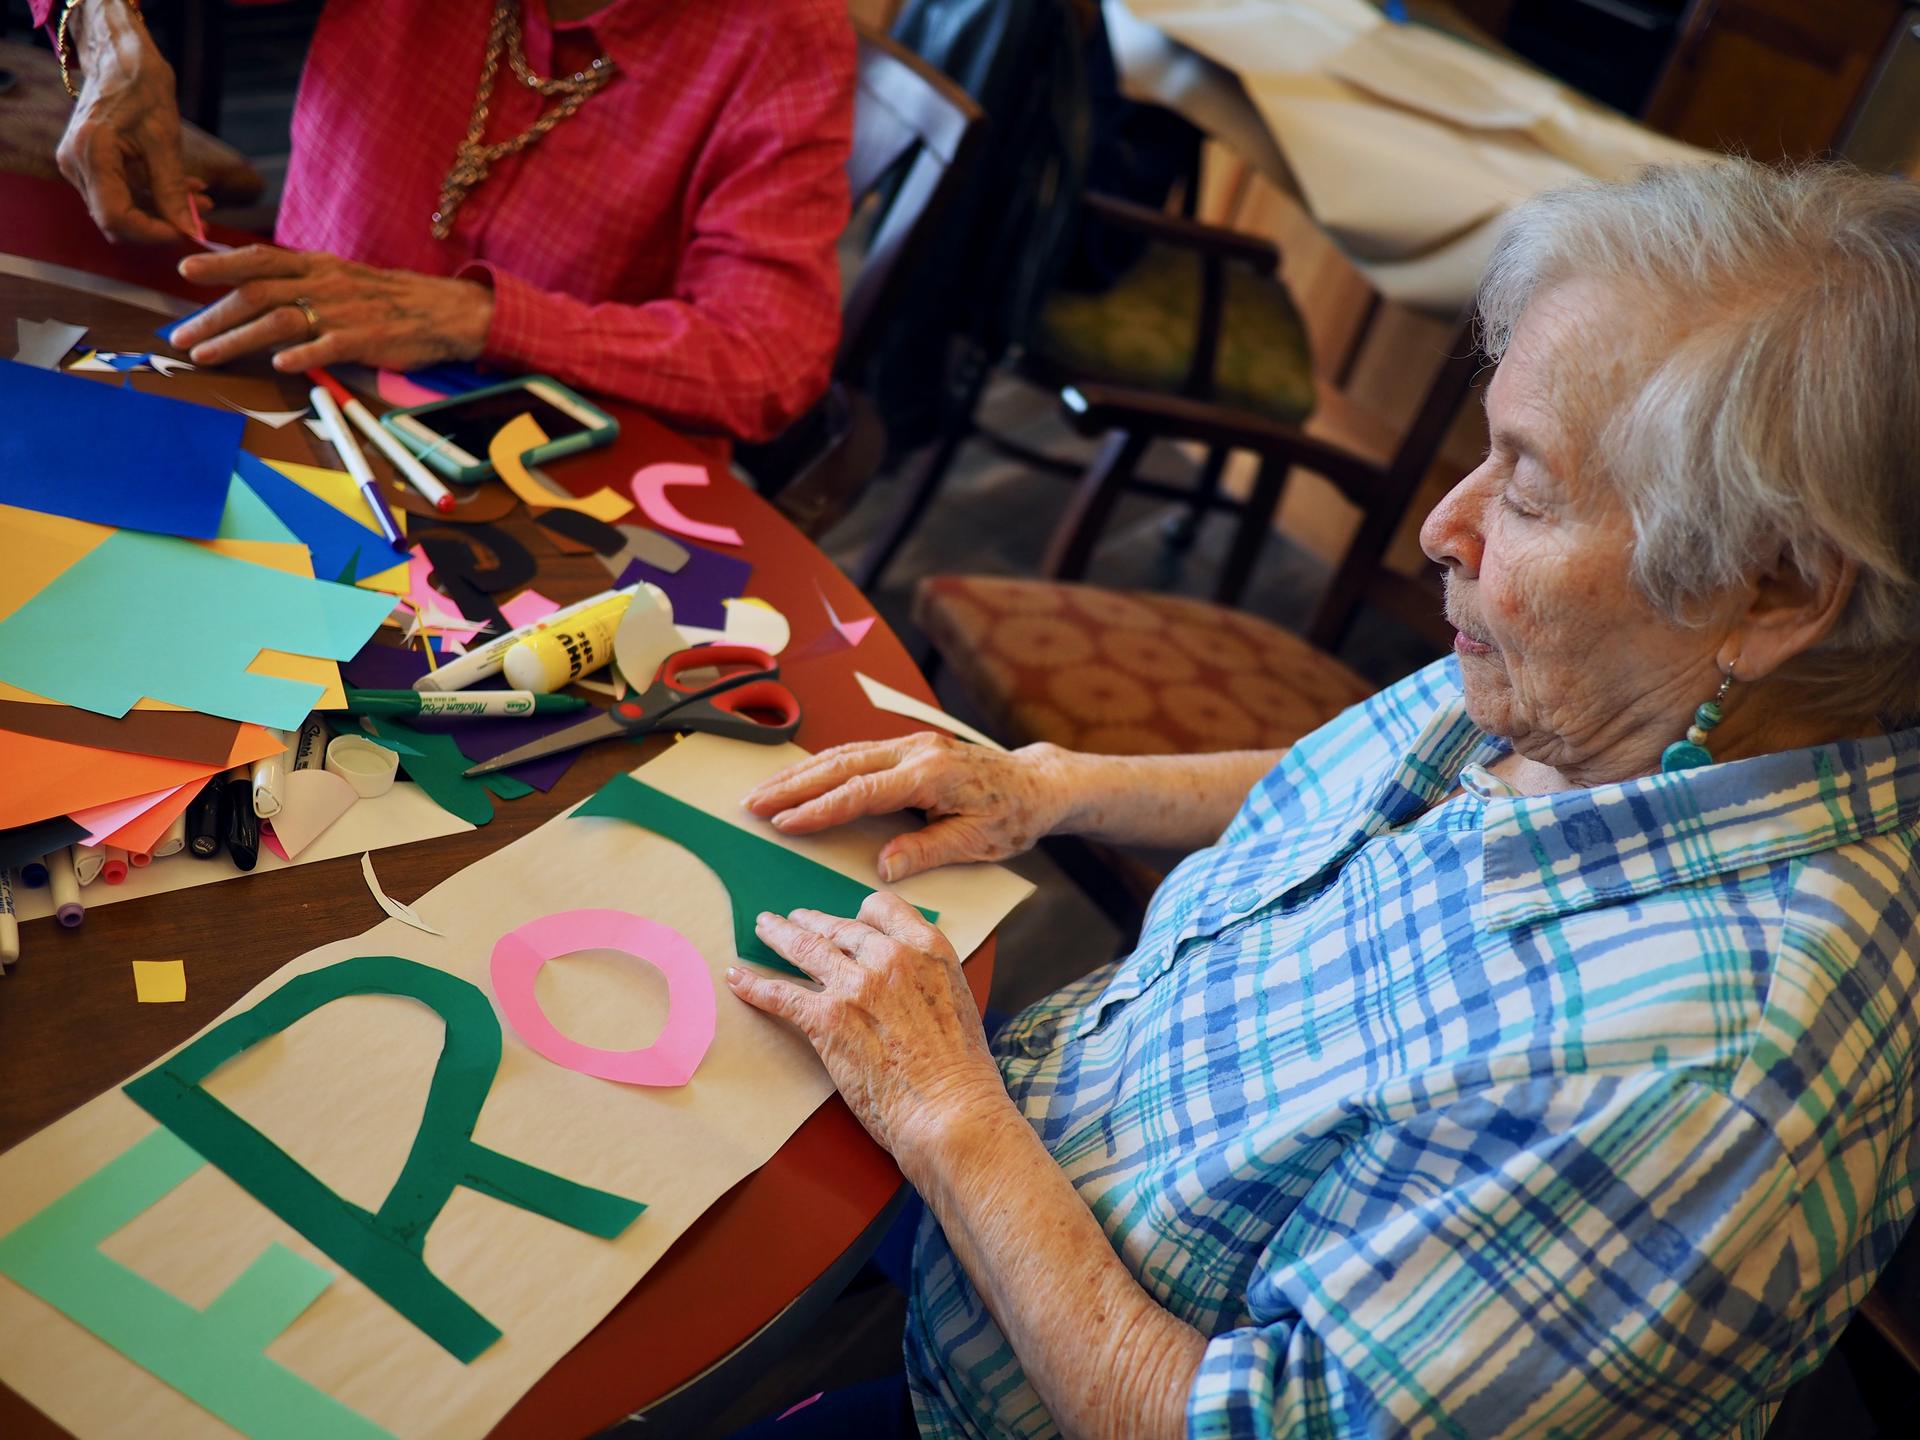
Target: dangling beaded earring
1692,751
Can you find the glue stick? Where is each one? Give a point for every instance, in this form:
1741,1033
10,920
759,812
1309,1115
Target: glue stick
562,653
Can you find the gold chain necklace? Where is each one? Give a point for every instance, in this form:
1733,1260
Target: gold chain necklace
472,160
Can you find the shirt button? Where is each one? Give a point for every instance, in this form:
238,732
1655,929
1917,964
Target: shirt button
1242,901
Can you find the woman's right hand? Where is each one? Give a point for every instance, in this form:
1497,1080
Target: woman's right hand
981,804
121,149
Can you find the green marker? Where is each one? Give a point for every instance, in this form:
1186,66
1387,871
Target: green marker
472,704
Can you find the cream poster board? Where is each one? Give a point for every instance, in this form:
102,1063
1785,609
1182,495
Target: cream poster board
342,1091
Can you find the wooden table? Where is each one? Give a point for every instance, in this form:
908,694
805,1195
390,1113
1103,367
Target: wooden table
780,1242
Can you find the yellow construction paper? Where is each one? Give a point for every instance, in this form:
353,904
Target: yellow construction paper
336,487
523,433
159,982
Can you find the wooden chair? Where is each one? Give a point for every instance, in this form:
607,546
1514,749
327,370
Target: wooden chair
1200,316
912,128
1358,452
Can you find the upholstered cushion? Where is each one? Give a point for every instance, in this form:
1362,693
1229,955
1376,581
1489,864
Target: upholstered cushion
33,116
1128,673
1141,333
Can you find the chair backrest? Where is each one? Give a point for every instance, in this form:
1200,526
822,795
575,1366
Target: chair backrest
905,113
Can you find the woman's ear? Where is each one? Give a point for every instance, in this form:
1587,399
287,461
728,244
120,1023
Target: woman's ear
1787,613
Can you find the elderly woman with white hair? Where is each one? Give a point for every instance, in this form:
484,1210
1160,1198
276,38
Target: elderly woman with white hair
1530,1049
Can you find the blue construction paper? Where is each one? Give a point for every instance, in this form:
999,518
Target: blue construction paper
88,451
149,616
25,843
388,667
248,518
343,549
165,332
697,587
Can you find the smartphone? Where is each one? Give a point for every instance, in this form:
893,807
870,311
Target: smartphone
452,435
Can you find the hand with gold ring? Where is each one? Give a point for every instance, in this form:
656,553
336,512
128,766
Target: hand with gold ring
312,308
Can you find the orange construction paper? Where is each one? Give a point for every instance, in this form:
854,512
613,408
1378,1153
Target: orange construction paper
41,778
143,832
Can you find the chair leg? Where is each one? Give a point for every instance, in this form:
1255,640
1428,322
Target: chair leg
921,487
1073,539
1256,522
1184,529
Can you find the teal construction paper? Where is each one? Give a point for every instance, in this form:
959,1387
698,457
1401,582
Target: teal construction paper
759,875
343,549
151,616
384,1250
96,452
216,1357
248,518
437,764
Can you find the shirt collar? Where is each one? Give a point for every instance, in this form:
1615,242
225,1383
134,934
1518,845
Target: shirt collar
1550,855
620,29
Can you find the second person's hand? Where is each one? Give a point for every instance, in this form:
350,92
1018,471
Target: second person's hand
398,319
981,804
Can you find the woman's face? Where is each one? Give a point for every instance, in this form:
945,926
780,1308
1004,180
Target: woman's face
1558,651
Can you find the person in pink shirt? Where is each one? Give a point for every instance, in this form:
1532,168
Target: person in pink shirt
638,197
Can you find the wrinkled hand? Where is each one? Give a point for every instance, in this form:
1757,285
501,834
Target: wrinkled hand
393,318
121,149
982,804
893,1021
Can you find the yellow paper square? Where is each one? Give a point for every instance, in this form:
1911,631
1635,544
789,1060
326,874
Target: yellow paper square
155,982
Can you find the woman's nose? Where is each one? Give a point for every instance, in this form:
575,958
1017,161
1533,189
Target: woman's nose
1451,533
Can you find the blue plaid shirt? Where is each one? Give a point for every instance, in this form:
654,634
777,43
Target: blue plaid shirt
1568,1114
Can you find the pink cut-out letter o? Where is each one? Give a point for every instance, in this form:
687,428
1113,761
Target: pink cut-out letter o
691,1008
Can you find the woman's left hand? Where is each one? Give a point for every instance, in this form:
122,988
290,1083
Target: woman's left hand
893,1021
395,319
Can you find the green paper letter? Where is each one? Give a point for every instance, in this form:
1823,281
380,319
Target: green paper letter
385,1249
216,1356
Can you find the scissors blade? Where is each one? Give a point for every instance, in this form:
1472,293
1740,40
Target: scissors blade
599,727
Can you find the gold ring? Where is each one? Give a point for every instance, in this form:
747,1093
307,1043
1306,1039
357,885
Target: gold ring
305,307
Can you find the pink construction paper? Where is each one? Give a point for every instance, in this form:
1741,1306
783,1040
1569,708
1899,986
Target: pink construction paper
527,607
851,631
691,1008
397,389
650,484
100,821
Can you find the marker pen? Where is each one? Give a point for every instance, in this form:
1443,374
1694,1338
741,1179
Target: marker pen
398,456
270,779
87,862
175,840
309,748
114,872
471,704
139,859
65,886
487,660
33,874
204,830
9,926
240,825
356,463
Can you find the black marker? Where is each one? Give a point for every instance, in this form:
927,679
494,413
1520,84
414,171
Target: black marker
238,822
204,828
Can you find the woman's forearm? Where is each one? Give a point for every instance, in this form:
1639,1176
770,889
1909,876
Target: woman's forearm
1172,802
1107,1358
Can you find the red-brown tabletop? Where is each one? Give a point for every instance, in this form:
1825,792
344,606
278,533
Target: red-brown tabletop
69,1028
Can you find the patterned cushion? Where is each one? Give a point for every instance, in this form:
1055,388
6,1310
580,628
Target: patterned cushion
33,116
1128,673
1141,333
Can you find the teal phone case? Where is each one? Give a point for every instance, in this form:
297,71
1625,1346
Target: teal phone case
552,450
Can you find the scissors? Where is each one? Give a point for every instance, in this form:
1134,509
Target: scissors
729,702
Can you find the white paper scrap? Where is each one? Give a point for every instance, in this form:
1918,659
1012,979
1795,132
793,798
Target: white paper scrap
278,419
44,343
403,913
885,697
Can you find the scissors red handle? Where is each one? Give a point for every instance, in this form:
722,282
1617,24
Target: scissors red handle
737,713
